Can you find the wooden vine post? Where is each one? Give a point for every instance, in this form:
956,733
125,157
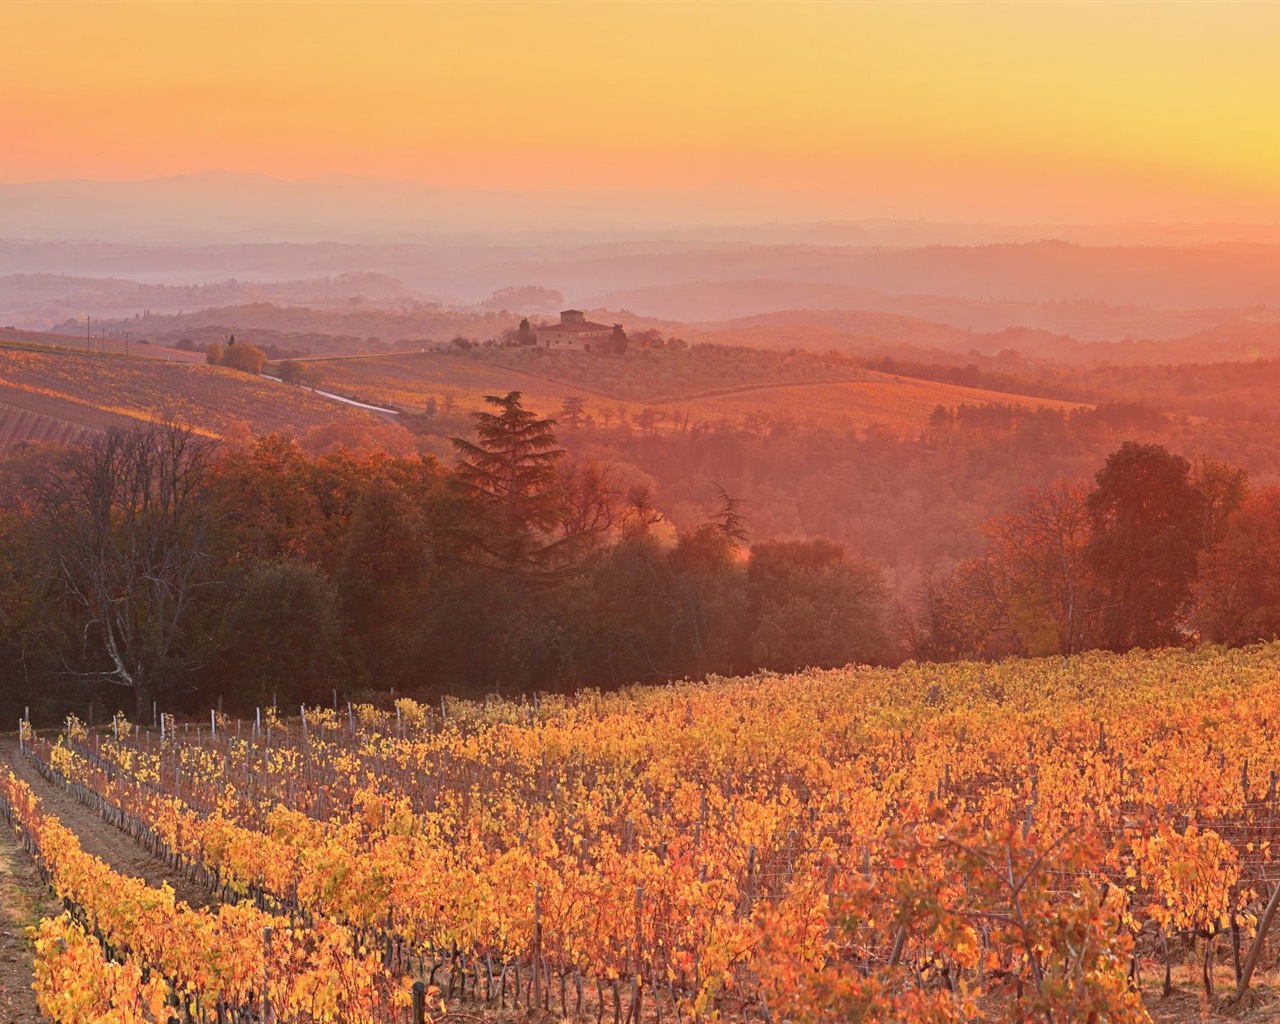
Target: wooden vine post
266,949
637,998
537,946
419,1003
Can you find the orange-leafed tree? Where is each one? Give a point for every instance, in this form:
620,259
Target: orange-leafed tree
1031,591
1237,597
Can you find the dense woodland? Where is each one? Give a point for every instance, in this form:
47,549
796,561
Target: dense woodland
152,564
913,504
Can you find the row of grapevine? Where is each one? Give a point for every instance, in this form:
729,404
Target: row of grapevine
203,966
741,842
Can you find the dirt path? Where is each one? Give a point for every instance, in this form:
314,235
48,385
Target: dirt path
96,836
23,901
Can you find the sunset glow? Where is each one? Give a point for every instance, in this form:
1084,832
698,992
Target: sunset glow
1032,111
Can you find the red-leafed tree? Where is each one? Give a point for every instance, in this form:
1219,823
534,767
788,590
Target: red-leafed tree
1147,523
1237,597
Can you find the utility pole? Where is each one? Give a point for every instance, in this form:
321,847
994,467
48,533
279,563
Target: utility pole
88,339
126,343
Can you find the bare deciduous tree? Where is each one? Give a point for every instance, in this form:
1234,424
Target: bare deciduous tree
129,528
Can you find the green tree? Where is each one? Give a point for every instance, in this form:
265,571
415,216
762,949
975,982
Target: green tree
572,412
383,582
283,635
1147,528
508,476
708,597
812,606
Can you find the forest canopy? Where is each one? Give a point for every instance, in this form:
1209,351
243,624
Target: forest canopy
152,564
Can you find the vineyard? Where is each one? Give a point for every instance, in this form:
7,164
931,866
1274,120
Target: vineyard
706,385
81,391
900,404
408,380
1052,840
78,344
21,424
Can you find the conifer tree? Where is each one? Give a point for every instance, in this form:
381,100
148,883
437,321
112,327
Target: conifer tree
509,475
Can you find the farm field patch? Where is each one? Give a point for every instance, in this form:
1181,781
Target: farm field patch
41,389
676,390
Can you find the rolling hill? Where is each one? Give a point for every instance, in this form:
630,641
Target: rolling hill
56,395
685,387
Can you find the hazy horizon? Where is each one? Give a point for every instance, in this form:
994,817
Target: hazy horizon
958,113
222,206
688,162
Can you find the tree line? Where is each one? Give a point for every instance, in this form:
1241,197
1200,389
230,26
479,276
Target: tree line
153,564
1155,552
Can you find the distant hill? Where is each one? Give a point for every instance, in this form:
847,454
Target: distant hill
714,303
1160,277
1234,337
348,328
1092,292
47,300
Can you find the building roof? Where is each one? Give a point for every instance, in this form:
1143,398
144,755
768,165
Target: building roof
575,328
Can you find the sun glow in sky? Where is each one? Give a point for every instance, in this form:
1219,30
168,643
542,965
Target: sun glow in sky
1073,111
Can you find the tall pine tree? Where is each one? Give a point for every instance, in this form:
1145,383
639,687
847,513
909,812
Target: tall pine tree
508,477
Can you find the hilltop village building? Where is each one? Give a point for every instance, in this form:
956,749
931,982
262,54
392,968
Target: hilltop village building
575,332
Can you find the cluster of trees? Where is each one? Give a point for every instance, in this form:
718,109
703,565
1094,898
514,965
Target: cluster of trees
1155,552
247,358
150,564
914,504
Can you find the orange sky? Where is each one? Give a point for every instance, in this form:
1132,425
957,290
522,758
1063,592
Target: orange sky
1071,111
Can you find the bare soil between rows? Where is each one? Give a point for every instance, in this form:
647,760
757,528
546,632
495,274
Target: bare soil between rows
97,837
24,899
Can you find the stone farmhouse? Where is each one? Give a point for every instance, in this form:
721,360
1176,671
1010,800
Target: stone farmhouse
576,333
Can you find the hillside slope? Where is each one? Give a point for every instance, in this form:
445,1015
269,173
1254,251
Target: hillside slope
681,387
57,395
